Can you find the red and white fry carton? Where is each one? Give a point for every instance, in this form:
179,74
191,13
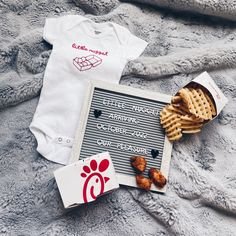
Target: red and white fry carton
85,180
205,80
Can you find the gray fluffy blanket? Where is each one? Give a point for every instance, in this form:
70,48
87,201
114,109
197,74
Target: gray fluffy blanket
201,195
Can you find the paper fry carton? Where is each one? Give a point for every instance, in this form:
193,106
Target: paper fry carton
205,80
86,179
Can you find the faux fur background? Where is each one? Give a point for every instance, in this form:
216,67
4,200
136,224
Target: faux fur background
201,195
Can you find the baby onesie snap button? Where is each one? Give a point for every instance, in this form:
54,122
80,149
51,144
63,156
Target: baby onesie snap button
59,139
64,141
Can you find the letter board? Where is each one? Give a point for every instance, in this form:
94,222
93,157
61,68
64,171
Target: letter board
125,122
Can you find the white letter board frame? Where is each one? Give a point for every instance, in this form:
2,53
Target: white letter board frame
123,179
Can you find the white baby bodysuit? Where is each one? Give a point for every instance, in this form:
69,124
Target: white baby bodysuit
82,51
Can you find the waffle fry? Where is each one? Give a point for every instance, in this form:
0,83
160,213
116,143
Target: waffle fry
191,118
196,102
212,106
187,100
208,98
206,109
171,123
193,131
190,127
187,113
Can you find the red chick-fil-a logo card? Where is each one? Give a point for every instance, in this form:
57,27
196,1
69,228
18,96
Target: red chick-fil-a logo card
85,180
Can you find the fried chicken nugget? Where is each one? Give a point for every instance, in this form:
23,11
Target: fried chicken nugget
138,163
143,183
157,177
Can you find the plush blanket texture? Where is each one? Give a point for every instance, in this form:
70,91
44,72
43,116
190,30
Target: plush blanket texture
185,38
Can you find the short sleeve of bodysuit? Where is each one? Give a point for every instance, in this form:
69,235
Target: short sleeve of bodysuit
55,27
134,46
